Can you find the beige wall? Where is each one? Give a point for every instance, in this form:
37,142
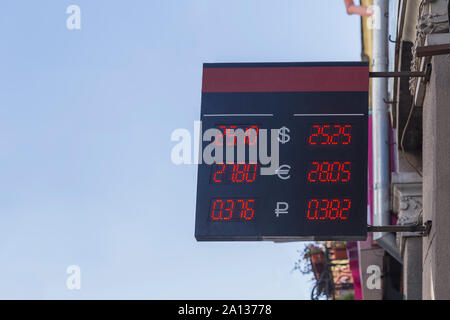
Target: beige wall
436,181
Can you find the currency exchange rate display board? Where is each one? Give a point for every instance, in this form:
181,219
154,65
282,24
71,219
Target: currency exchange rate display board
318,190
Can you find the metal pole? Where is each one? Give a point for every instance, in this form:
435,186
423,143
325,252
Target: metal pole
380,129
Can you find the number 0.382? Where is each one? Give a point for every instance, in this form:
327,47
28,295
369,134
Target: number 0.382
328,209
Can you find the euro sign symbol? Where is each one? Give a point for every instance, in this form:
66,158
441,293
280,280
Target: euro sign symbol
283,135
283,172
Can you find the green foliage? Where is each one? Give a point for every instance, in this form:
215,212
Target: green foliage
338,244
348,296
304,264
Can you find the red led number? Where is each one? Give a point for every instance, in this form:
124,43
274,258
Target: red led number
227,135
330,135
233,209
329,172
219,171
234,173
253,136
230,139
328,209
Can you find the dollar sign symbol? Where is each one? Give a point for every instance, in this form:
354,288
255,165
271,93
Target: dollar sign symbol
283,135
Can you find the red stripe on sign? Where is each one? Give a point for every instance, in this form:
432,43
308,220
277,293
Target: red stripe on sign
286,79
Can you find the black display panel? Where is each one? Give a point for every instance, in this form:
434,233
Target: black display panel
320,189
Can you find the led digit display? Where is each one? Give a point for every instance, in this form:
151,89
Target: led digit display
302,172
234,173
329,172
232,210
328,209
330,135
230,139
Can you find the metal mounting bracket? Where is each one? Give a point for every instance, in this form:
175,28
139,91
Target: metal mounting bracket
404,74
398,74
423,229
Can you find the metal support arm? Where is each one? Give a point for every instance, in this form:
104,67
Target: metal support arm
423,229
398,74
403,74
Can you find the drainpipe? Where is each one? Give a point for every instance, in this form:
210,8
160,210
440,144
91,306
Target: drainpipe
380,131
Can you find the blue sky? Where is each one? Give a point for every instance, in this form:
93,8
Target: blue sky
85,123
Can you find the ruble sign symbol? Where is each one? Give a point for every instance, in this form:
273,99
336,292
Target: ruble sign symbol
283,135
282,208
